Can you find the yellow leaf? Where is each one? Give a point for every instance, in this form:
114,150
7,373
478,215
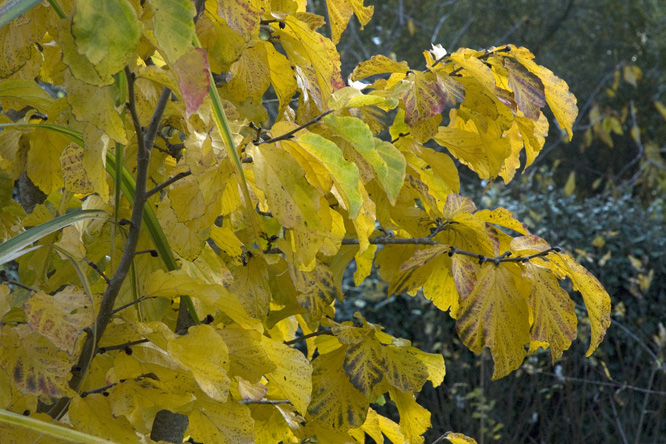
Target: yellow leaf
404,370
36,366
271,426
339,13
597,301
60,318
243,16
570,186
223,423
96,105
378,64
495,315
345,174
414,419
561,102
661,108
226,240
336,403
371,426
632,74
291,199
178,283
317,289
250,74
248,356
293,373
202,351
93,415
440,287
365,366
17,94
281,75
552,312
459,438
503,218
364,264
43,164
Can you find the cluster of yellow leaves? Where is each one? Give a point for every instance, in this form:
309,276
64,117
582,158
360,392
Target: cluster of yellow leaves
261,250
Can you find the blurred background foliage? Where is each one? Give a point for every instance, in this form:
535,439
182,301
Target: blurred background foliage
601,197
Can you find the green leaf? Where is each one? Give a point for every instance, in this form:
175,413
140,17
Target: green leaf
49,429
107,32
14,247
21,93
385,159
174,26
345,174
11,9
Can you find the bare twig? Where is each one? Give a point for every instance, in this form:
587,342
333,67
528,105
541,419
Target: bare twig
121,346
290,134
308,336
97,390
265,401
168,182
145,143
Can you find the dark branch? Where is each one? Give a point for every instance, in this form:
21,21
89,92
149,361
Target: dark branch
311,335
265,401
290,134
97,390
121,346
168,182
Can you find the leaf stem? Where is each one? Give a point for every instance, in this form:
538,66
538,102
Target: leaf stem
308,336
265,401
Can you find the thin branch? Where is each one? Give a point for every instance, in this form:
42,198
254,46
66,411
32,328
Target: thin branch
606,384
121,346
308,336
145,142
168,182
129,304
99,271
265,401
290,134
97,390
5,278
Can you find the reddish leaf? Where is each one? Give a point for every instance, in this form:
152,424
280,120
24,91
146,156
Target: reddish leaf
193,78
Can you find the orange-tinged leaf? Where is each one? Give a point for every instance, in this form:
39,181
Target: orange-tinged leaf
378,64
552,312
93,415
425,99
495,315
107,32
60,318
35,365
527,89
293,373
596,298
224,423
193,78
529,244
336,403
365,365
203,351
414,419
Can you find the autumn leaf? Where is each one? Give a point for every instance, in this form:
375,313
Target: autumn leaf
60,318
193,78
174,26
495,315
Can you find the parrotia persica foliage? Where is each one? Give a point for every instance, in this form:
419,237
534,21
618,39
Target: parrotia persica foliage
159,139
